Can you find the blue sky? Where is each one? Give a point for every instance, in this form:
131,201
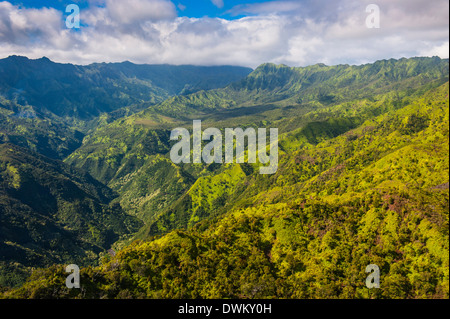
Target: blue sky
189,8
201,8
225,32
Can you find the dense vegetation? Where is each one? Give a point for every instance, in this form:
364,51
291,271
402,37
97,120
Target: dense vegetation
53,213
84,92
123,155
362,179
49,107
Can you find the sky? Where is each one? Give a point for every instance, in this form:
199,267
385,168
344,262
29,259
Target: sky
225,32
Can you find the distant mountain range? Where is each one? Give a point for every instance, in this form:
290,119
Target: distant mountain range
55,104
84,92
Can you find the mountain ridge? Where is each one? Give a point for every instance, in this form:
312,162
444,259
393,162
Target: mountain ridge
114,152
362,178
377,194
20,79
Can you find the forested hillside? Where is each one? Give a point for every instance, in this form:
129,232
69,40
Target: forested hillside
52,213
362,179
124,154
48,107
84,92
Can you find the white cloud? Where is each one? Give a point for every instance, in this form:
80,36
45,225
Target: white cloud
438,50
291,32
132,11
266,8
218,3
20,26
116,13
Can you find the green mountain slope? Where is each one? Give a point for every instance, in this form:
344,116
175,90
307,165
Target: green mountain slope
291,99
362,179
313,159
84,92
52,213
48,107
22,126
376,194
313,86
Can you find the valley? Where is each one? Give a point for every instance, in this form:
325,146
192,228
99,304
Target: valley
362,178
